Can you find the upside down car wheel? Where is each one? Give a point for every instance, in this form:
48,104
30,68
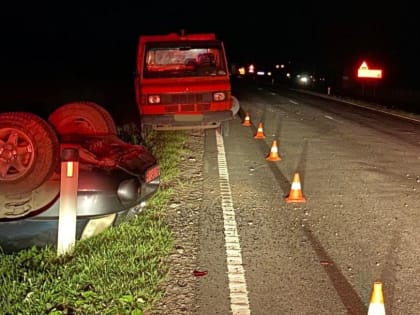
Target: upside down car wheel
82,118
29,152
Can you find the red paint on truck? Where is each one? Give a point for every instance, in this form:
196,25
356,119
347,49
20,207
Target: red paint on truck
182,81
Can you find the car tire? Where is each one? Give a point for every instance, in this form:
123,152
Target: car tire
224,128
82,118
29,152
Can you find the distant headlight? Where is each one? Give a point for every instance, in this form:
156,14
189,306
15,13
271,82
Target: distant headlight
96,226
153,99
219,96
304,79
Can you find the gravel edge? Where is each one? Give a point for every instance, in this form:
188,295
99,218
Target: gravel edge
182,217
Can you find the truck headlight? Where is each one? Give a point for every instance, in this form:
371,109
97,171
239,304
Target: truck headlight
219,96
153,99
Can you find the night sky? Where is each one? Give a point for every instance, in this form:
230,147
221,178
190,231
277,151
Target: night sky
60,39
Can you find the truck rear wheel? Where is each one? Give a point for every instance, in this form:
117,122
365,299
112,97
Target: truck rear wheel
86,118
29,152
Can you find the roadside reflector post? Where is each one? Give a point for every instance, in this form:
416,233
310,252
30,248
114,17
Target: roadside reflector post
68,200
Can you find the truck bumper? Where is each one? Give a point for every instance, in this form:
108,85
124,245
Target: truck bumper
190,121
193,121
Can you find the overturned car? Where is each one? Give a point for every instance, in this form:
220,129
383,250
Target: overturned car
115,178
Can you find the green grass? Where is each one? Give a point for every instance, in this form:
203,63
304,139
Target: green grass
119,271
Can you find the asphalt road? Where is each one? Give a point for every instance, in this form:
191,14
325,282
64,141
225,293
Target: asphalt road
360,176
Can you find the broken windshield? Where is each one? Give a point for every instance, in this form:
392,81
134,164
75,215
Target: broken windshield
184,60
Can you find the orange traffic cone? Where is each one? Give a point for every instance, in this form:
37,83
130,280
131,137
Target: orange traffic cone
260,132
295,194
376,305
274,152
247,120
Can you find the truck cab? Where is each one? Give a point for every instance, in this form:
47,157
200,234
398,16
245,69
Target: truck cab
182,82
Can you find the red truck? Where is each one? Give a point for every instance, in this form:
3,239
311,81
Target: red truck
182,81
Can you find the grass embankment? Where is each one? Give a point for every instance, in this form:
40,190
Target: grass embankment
116,272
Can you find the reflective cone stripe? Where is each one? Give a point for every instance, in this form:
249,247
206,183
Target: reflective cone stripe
376,306
260,132
295,194
247,120
274,152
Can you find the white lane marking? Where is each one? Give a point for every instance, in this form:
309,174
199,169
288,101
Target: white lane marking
328,117
293,102
239,302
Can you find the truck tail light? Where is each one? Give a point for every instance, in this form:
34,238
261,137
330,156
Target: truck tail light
219,96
